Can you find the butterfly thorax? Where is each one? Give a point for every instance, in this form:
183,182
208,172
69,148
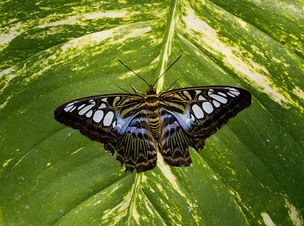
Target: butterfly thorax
152,104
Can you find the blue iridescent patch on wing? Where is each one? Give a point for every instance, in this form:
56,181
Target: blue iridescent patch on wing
186,120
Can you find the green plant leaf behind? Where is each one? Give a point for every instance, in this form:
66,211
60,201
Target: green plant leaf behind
249,173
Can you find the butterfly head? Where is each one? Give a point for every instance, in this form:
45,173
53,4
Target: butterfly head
151,90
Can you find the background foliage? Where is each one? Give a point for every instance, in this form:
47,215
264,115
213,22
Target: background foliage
250,172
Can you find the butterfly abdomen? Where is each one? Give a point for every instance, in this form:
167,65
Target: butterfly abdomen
154,123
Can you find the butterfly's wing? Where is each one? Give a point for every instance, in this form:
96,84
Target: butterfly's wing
190,115
137,146
116,121
173,140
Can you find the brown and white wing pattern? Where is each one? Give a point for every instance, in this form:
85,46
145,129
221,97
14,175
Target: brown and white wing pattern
123,122
173,140
190,115
116,121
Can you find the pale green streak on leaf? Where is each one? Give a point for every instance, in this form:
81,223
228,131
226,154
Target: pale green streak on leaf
249,173
284,17
232,56
295,216
267,219
168,44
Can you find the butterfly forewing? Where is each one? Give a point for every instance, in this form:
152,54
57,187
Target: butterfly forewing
102,118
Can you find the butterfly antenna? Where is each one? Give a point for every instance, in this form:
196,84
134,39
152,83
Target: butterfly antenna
172,85
134,73
166,70
123,89
136,91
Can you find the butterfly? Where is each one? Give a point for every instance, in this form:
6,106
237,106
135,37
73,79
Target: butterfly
135,125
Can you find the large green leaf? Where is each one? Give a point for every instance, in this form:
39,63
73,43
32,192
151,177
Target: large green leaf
250,172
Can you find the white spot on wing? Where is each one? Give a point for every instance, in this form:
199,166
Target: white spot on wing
73,109
219,98
114,124
200,97
68,107
81,106
98,115
86,108
198,112
216,104
192,118
207,107
222,94
108,118
89,114
103,105
233,91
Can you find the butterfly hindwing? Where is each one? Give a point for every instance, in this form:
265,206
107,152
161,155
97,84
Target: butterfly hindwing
173,140
137,147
